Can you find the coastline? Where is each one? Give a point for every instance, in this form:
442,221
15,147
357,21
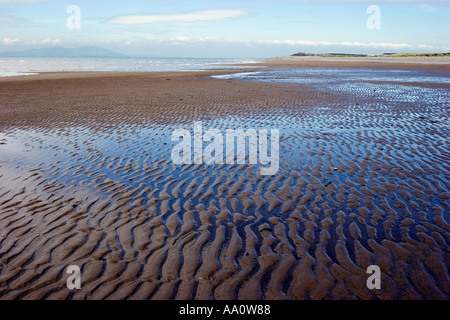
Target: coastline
433,64
437,64
86,179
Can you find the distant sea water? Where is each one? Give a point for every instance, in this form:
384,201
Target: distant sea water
25,66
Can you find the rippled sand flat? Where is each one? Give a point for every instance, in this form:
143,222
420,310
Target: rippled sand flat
86,179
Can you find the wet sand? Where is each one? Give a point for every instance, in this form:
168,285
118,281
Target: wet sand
436,64
86,179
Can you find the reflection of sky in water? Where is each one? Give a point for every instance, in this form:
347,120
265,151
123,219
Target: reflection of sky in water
71,154
320,75
355,82
392,92
23,145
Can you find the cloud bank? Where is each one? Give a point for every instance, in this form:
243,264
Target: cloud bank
196,16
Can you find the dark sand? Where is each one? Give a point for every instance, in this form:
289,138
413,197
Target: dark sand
86,179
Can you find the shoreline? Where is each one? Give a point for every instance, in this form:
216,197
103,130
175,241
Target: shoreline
437,64
433,64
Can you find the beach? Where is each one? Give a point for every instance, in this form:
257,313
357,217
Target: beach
86,179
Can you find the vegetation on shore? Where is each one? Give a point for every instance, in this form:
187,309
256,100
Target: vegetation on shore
446,54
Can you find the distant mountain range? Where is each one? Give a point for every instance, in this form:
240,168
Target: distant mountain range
60,52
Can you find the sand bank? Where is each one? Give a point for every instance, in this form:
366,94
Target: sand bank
438,64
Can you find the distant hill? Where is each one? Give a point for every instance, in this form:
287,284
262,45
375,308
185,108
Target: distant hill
60,52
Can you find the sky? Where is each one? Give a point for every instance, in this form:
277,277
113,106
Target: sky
227,29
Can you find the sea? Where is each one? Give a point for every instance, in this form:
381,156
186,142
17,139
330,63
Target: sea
10,67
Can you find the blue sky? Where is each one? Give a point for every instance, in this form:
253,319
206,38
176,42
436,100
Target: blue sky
228,29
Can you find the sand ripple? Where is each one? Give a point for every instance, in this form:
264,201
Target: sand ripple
362,181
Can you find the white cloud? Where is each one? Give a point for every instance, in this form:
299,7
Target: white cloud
204,39
356,44
10,41
309,43
50,41
196,16
184,39
181,38
426,46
